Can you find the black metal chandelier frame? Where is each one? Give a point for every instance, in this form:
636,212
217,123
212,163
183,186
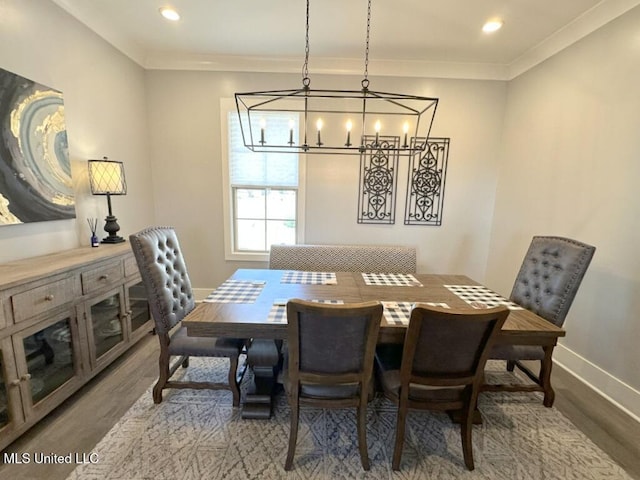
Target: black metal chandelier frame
410,116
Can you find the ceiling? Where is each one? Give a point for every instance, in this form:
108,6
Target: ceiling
441,38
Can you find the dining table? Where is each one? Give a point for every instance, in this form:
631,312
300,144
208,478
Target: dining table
251,304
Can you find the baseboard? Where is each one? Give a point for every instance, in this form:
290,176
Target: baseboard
612,389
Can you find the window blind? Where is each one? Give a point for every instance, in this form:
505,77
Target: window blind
249,168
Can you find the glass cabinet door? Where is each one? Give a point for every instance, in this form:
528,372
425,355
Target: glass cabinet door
48,361
106,325
8,380
138,306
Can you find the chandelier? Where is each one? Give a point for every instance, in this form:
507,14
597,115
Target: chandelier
336,121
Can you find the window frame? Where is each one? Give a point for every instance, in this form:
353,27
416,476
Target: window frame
228,195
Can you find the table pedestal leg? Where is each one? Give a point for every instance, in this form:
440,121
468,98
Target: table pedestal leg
263,357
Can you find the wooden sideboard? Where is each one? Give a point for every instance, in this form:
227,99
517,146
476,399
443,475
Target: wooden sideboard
63,318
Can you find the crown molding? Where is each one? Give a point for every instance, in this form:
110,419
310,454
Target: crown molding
333,66
585,24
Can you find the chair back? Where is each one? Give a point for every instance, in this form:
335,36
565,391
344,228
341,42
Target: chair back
446,347
164,275
332,344
550,276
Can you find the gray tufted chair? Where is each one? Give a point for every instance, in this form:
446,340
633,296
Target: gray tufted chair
330,364
547,283
165,277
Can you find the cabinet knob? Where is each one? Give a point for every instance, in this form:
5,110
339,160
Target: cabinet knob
26,376
48,297
103,277
14,383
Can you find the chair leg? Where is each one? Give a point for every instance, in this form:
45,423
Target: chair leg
545,377
233,382
293,432
185,362
400,428
511,364
466,428
163,378
362,436
163,363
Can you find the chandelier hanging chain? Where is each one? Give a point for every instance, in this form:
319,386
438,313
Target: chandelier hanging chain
305,67
365,80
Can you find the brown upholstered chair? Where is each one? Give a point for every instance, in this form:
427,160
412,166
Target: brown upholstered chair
440,366
165,277
547,283
330,364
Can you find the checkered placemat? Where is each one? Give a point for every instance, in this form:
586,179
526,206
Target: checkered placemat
309,278
398,313
391,279
236,291
479,296
278,312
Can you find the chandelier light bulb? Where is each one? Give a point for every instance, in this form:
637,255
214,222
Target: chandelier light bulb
405,129
319,127
263,124
291,125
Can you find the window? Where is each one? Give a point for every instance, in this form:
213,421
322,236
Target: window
262,191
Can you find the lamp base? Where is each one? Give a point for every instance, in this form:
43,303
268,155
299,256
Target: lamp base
111,227
112,239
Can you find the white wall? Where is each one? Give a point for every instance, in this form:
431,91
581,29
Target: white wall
571,167
184,122
105,110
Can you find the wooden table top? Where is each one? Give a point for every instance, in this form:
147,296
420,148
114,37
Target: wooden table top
249,320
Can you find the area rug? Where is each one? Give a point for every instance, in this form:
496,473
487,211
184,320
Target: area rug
195,435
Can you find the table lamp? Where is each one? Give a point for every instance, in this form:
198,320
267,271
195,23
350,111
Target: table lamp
107,178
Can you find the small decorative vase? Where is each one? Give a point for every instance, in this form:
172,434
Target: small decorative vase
94,241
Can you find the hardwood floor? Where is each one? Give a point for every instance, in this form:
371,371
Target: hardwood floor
79,423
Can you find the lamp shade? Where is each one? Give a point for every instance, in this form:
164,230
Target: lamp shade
107,177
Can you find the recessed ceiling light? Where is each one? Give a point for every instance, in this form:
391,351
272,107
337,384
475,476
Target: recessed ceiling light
492,26
170,14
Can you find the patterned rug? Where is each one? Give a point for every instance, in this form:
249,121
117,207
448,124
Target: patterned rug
197,435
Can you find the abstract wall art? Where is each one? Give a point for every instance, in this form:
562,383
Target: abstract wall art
35,173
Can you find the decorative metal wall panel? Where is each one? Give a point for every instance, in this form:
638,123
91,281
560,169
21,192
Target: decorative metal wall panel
378,179
425,188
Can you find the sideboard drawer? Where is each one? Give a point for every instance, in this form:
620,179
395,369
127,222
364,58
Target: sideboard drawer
103,276
130,266
46,297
